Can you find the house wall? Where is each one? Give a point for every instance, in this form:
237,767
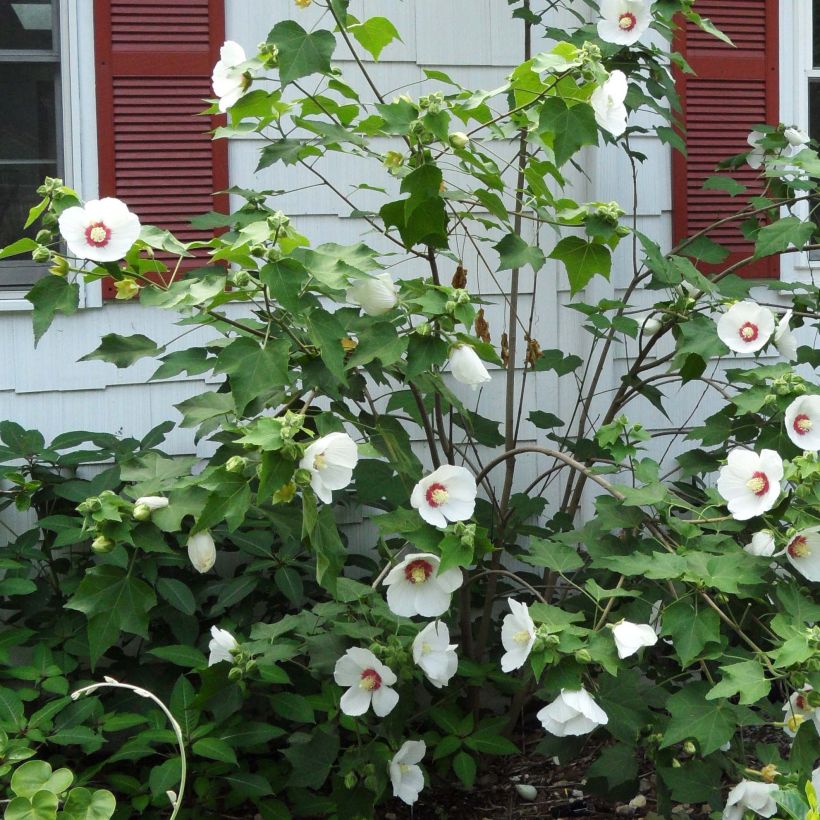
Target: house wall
477,43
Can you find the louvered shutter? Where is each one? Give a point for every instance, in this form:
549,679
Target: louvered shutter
732,90
154,60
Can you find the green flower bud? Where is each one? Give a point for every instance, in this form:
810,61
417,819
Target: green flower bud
351,780
50,186
59,266
675,763
235,464
458,139
302,477
235,674
142,512
689,747
102,545
583,656
371,783
250,665
242,279
43,237
450,306
41,254
277,221
424,329
273,255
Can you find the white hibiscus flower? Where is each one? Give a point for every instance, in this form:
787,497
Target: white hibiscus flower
746,327
803,553
434,654
751,795
796,710
784,339
375,295
103,230
369,682
607,102
447,494
796,137
750,483
630,637
755,157
572,713
202,551
467,367
415,587
330,460
221,645
761,545
229,80
517,636
803,422
624,21
405,775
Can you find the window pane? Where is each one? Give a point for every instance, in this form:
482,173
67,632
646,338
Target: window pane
816,32
28,140
26,24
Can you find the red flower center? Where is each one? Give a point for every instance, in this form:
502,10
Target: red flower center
758,483
748,332
371,680
802,424
97,234
417,572
627,21
800,702
437,495
798,547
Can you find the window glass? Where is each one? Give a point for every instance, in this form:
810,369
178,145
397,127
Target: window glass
26,25
816,32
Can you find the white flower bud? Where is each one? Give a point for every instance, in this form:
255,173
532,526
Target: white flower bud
202,551
375,295
467,367
458,139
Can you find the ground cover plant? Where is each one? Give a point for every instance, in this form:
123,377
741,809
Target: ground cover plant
655,589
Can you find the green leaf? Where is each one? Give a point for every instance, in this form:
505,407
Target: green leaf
311,756
11,710
583,260
177,594
123,351
711,724
455,552
51,295
42,806
514,252
569,126
464,766
215,749
17,586
293,707
36,775
181,655
696,781
745,678
23,245
691,630
254,369
193,361
554,556
83,804
301,53
229,502
374,34
617,764
204,407
783,234
326,332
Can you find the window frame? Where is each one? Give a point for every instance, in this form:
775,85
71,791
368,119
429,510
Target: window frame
27,272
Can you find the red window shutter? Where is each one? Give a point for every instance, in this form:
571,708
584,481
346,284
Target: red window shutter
154,60
732,90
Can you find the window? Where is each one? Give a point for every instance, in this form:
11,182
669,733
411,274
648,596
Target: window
30,144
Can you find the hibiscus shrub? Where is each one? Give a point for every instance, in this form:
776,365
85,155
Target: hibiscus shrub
353,592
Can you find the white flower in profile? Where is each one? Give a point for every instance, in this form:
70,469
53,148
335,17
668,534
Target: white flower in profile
796,710
630,637
202,551
330,461
375,295
803,553
368,681
434,654
222,646
761,545
750,483
572,713
755,157
103,230
746,327
784,339
624,21
447,494
228,79
415,587
153,502
803,422
467,367
608,104
405,775
753,796
796,137
517,636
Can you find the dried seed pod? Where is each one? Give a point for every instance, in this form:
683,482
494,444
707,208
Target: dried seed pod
460,277
505,349
482,327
